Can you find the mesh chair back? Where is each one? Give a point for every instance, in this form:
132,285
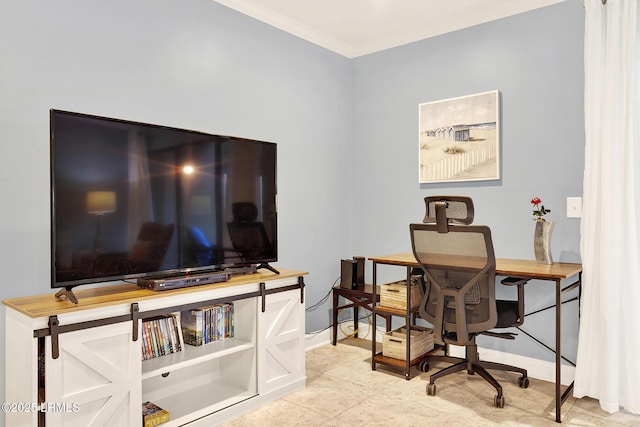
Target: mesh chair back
459,268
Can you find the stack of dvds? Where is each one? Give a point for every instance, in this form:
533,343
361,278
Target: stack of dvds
160,336
207,324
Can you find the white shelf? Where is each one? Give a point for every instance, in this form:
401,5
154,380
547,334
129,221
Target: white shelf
192,355
199,401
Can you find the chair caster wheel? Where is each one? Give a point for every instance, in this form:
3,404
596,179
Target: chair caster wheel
424,366
498,401
523,382
431,389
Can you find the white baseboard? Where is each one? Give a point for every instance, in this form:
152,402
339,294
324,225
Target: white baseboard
536,368
317,339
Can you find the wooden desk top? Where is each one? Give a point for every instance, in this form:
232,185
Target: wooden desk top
504,266
47,304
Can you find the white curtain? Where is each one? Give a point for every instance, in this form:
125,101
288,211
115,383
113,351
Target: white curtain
608,362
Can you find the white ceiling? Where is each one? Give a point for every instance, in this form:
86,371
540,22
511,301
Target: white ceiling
357,27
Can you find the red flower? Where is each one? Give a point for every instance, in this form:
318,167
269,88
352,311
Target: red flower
539,211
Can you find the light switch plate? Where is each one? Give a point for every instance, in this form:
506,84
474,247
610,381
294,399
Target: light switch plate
574,207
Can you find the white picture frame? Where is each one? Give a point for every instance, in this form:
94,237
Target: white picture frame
459,139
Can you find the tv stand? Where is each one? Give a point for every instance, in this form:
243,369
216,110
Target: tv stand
67,293
268,267
87,358
250,269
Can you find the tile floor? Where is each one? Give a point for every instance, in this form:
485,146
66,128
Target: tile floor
342,390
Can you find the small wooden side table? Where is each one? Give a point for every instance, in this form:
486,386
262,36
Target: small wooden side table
362,296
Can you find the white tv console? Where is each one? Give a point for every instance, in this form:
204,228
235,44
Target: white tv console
80,364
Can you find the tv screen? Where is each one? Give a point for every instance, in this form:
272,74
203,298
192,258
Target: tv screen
132,200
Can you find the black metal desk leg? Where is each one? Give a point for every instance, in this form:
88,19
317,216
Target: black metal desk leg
373,310
335,317
408,323
558,351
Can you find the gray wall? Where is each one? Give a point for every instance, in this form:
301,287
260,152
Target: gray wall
194,65
535,60
346,129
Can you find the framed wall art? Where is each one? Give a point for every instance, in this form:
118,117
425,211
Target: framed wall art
459,139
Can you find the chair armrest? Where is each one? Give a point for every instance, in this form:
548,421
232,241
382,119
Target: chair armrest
513,281
503,335
516,281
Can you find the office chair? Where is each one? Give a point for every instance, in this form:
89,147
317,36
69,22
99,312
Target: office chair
458,263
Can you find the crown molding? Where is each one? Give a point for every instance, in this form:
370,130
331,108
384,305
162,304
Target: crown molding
288,25
476,12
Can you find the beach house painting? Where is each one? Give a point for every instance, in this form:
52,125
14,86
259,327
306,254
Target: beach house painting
459,139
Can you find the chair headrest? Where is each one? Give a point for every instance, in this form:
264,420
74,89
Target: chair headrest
443,210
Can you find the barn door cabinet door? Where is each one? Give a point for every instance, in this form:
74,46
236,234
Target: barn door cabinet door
282,339
96,379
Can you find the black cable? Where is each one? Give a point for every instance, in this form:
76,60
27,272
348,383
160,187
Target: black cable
314,306
340,321
318,331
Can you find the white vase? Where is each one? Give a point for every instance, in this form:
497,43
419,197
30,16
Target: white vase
542,241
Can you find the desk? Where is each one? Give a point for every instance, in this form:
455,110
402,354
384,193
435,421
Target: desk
524,269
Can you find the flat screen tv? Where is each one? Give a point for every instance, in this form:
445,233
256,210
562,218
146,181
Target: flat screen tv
133,200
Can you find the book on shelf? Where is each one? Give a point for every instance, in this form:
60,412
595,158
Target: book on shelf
161,335
207,324
153,415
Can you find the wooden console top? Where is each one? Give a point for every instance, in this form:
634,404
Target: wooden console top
47,304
